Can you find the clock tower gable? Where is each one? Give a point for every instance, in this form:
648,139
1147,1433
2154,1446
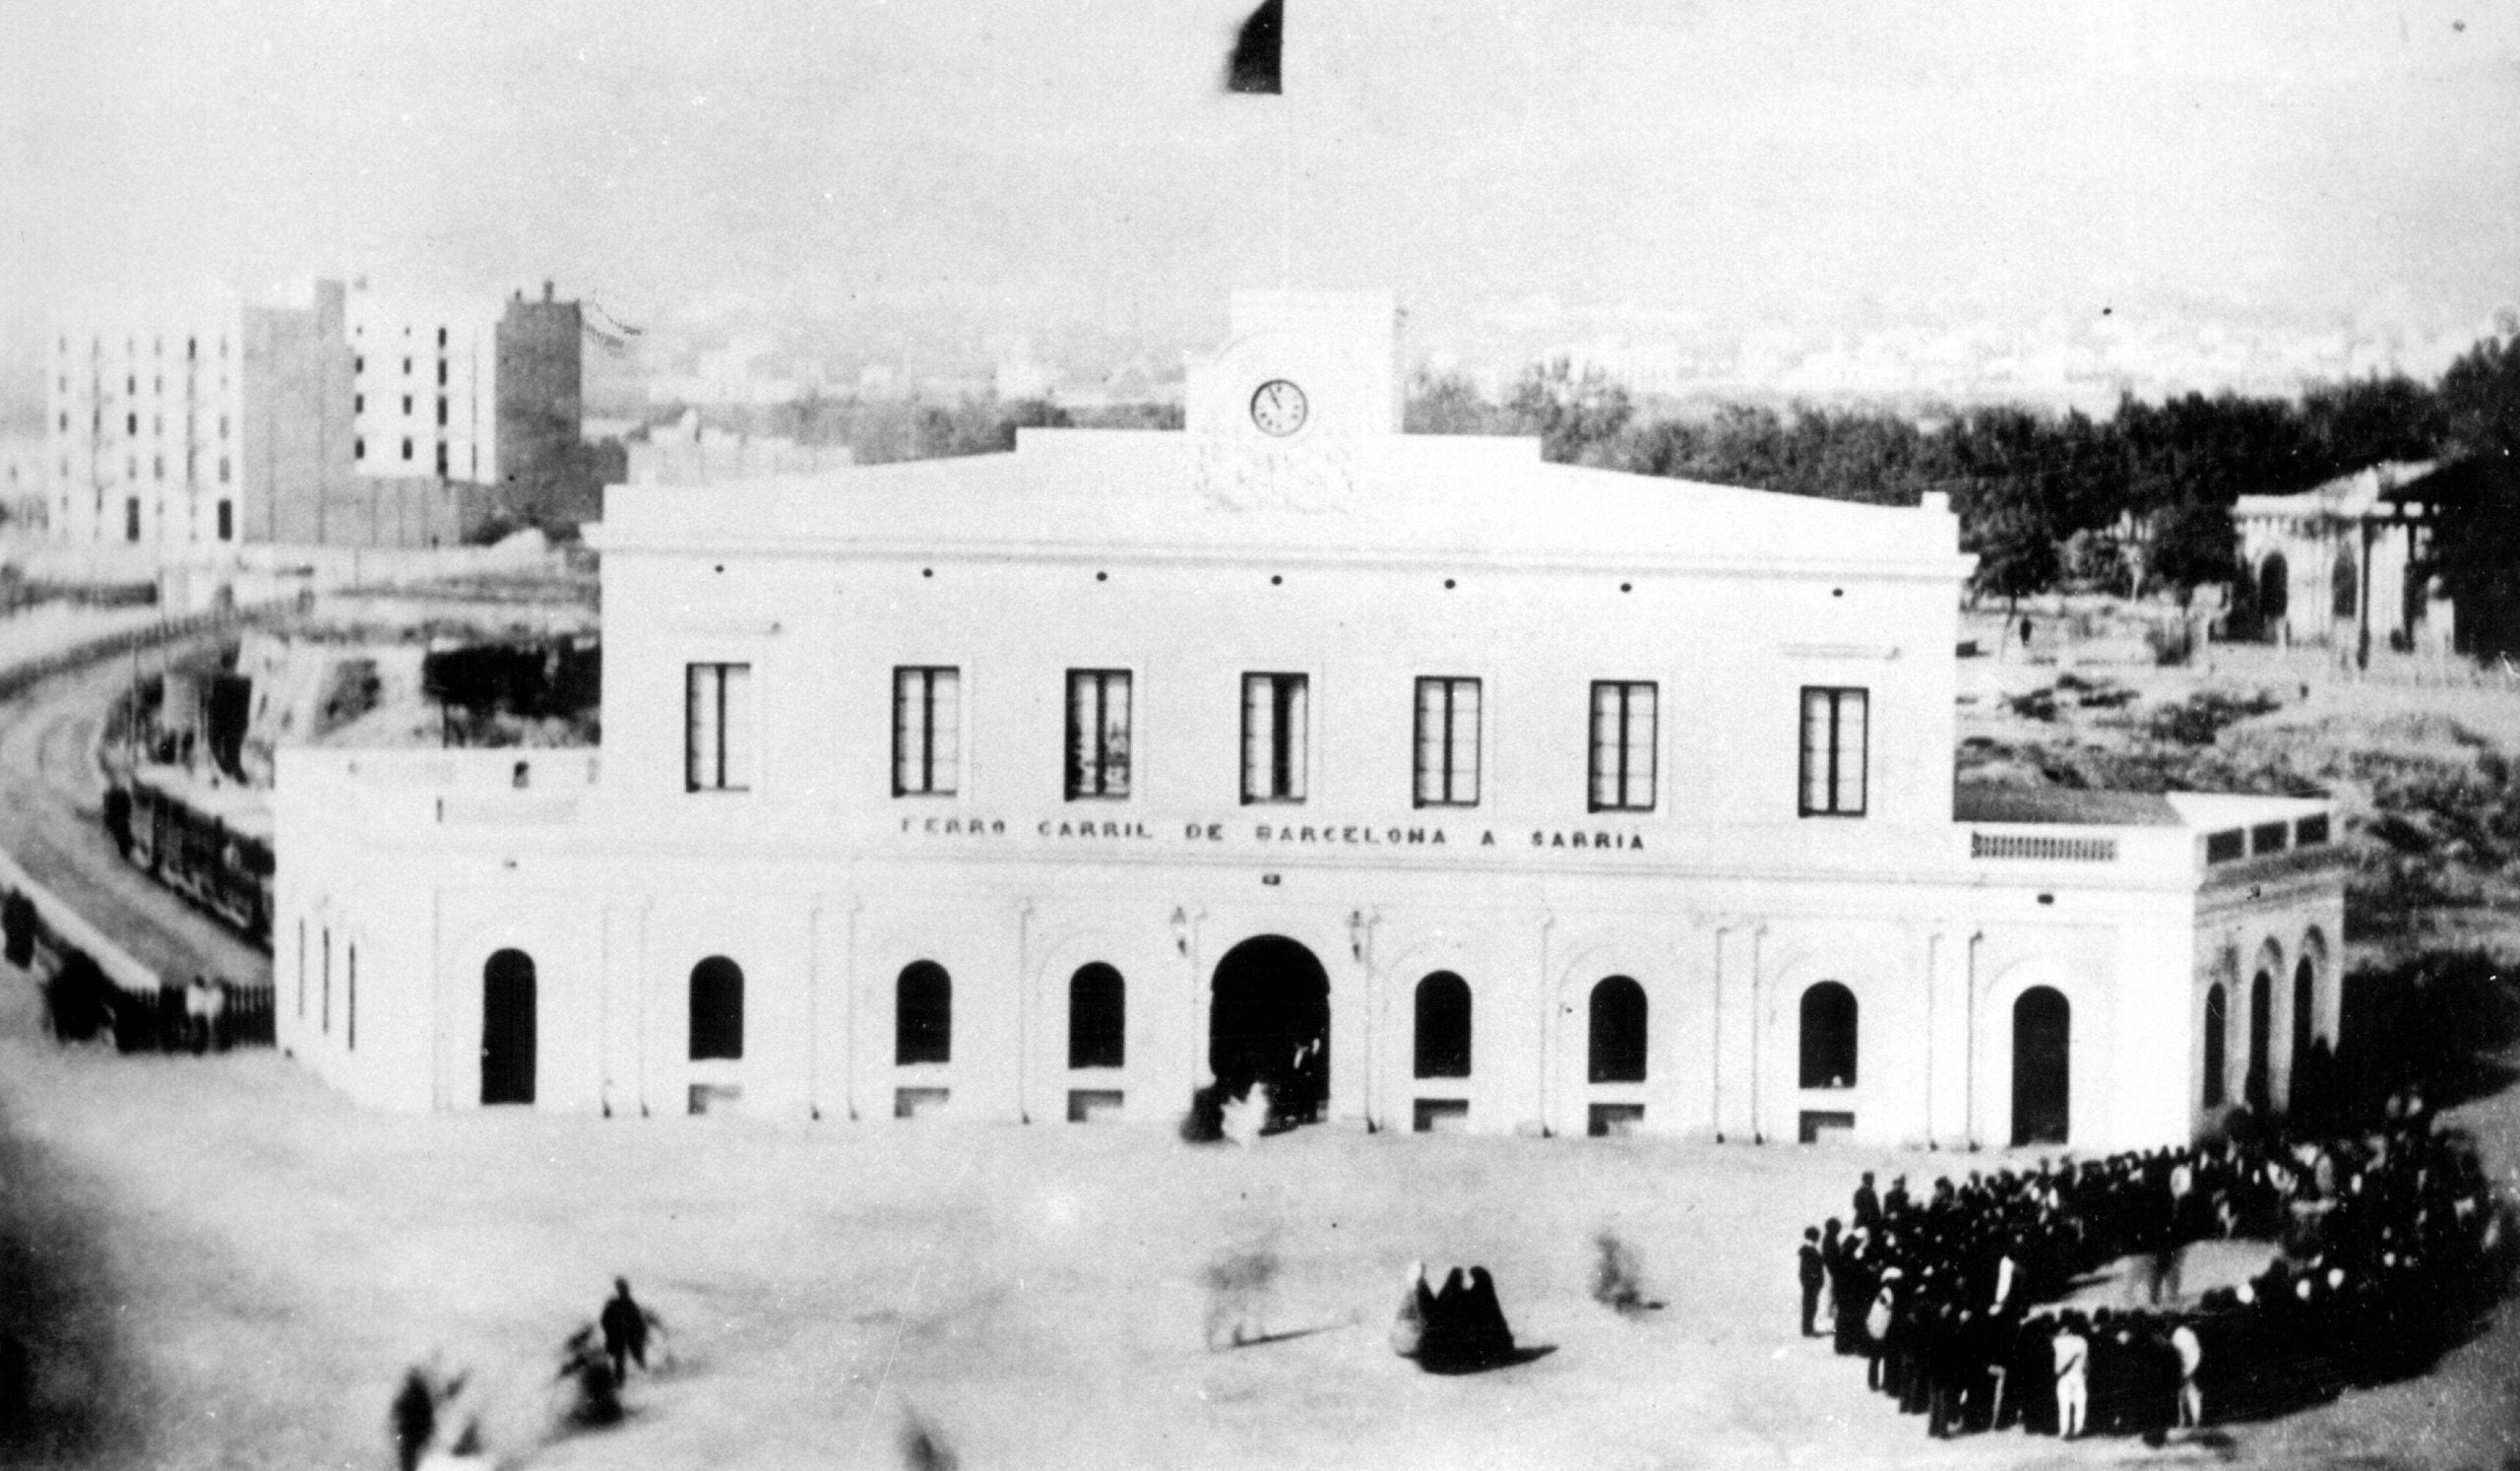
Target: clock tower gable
1329,362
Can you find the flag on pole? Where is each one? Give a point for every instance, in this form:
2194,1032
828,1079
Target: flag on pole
1258,51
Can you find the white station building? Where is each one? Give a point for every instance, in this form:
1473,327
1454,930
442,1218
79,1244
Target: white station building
1434,785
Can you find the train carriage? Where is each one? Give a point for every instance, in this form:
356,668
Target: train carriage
211,843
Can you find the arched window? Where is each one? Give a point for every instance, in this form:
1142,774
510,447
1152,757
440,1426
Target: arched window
716,1009
1828,1037
2261,1031
2305,1018
924,1014
1618,1032
1098,1017
508,1028
2218,1026
2345,585
1443,1026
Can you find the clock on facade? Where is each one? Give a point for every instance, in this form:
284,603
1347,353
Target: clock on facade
1279,408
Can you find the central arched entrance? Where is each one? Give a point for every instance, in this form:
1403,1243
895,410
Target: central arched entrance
2042,1048
1269,1022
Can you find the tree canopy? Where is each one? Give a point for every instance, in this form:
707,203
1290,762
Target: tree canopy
2138,501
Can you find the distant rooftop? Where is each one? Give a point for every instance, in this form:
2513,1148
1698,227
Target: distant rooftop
2359,493
1988,802
1985,801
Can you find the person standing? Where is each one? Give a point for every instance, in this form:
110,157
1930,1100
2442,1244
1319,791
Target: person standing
1868,1204
1416,1302
2073,1388
1832,1255
1814,1273
2191,1357
625,1330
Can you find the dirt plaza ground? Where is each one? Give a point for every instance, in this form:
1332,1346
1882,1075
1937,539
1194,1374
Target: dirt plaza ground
1039,1296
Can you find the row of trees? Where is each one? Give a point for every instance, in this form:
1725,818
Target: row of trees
2138,501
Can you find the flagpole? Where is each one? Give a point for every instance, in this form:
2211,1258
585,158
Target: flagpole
1285,196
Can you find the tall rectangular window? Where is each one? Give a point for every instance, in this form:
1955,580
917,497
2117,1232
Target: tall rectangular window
1622,761
717,727
927,747
1097,732
1273,711
1447,743
1834,723
131,520
228,521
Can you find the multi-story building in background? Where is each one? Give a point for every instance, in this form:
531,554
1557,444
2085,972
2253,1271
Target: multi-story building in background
23,480
352,420
542,471
196,422
426,389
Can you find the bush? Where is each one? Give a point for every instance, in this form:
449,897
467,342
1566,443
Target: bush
2038,704
2203,716
2439,1022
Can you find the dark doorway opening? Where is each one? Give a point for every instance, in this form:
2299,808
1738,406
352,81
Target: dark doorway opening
1828,1037
2255,1085
1269,1022
2273,594
1443,1026
2042,1038
1614,1053
507,1028
2218,1026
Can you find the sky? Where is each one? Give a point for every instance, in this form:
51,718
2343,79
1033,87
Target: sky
1958,193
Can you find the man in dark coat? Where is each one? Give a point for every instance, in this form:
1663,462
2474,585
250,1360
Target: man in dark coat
1814,1273
625,1330
1868,1204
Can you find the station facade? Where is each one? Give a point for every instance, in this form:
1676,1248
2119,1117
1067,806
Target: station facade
1434,786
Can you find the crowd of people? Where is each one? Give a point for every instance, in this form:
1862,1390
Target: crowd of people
2384,1248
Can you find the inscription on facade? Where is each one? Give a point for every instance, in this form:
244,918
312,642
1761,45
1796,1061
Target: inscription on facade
1273,834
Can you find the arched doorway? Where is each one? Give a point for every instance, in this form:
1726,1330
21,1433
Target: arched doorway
507,1028
2305,1024
2345,587
1269,1022
2261,1031
2274,593
2042,1034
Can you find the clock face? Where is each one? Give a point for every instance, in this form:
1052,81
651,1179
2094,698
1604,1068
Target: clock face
1279,408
